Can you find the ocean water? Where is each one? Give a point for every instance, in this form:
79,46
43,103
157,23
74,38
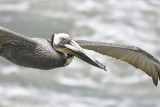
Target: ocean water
132,22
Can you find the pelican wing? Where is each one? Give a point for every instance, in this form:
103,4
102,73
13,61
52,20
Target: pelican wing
9,37
133,55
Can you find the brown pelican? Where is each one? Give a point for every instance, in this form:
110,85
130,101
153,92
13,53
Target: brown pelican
59,51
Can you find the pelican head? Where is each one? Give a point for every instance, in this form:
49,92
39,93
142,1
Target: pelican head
64,43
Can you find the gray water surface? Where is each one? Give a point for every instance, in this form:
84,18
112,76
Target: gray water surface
132,22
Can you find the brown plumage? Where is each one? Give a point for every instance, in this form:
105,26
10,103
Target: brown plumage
29,52
43,54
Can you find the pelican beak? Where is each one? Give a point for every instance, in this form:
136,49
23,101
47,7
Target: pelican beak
69,46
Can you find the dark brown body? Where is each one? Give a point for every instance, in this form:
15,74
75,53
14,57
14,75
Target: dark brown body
29,52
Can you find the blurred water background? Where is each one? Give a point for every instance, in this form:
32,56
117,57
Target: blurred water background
132,22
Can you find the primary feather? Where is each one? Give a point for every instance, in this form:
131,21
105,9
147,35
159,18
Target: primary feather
133,55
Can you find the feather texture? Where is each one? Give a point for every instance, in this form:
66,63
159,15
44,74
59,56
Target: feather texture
29,52
133,55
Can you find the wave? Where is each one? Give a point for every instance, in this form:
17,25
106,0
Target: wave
18,7
9,69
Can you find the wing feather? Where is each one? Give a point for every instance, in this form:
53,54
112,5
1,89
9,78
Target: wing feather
10,37
133,55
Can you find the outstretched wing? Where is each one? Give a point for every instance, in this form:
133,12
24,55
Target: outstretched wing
133,55
9,37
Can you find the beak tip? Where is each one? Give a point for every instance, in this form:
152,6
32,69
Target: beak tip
104,68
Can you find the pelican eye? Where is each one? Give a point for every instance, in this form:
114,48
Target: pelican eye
63,39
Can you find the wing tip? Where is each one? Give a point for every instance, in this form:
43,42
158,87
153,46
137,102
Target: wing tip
156,77
155,83
155,80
